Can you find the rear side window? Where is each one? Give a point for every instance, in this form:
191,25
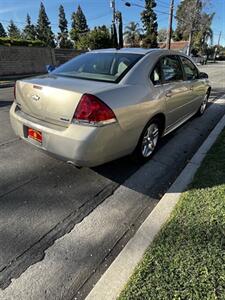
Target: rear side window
171,69
190,70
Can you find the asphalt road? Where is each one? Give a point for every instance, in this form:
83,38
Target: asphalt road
42,199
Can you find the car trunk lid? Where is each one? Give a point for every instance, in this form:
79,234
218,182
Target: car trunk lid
52,98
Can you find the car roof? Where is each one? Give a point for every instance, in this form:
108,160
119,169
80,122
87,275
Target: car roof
128,50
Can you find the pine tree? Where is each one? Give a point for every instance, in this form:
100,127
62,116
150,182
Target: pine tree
149,20
79,24
2,31
44,31
29,31
62,20
64,42
13,30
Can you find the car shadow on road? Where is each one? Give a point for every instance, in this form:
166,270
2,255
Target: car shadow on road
5,103
174,152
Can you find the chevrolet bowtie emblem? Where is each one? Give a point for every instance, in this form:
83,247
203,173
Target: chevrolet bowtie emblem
35,97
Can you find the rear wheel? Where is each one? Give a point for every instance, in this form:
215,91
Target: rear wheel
148,141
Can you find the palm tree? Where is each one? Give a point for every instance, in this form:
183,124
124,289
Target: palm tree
132,34
207,33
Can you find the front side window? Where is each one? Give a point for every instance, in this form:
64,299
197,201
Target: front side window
190,70
100,66
171,69
156,75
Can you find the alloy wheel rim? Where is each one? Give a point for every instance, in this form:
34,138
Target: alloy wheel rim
150,140
203,105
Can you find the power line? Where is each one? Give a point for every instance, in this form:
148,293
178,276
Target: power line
141,6
160,1
130,4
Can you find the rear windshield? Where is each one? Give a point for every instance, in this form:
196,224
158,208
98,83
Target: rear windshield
110,67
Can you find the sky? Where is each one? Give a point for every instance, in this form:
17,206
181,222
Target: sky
98,12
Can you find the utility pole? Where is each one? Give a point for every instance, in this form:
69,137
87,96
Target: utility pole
114,32
217,46
170,25
219,38
190,42
113,6
192,27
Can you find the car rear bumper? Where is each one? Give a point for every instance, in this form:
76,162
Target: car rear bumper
85,146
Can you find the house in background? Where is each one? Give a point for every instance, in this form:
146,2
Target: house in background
181,46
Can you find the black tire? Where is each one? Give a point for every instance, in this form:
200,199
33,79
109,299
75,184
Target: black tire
155,125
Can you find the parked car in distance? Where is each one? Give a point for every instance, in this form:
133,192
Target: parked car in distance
106,104
198,59
220,56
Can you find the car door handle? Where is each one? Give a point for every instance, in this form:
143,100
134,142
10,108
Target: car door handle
169,94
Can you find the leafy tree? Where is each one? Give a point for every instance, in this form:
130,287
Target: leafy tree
188,17
29,31
79,24
13,30
2,31
44,31
132,34
149,20
162,35
98,38
194,23
206,30
120,28
64,42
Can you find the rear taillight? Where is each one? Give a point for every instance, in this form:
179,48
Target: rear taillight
92,110
14,91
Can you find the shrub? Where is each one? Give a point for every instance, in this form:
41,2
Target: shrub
6,41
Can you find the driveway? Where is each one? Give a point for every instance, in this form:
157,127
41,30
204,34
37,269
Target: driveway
42,199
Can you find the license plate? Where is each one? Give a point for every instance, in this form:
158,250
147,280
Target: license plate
35,135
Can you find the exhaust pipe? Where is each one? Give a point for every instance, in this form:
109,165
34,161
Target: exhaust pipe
73,164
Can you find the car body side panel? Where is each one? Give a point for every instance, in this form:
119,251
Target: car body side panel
197,92
134,106
176,95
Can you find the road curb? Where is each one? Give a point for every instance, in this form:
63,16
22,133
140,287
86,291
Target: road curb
116,276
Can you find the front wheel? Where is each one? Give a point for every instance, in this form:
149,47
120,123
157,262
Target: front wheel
203,105
147,142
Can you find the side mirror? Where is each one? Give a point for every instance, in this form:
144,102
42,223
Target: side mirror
203,75
49,68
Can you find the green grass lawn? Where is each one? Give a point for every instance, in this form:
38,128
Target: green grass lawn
187,258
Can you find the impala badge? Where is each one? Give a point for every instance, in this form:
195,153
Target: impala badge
35,97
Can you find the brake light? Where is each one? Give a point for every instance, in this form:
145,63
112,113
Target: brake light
14,91
92,110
